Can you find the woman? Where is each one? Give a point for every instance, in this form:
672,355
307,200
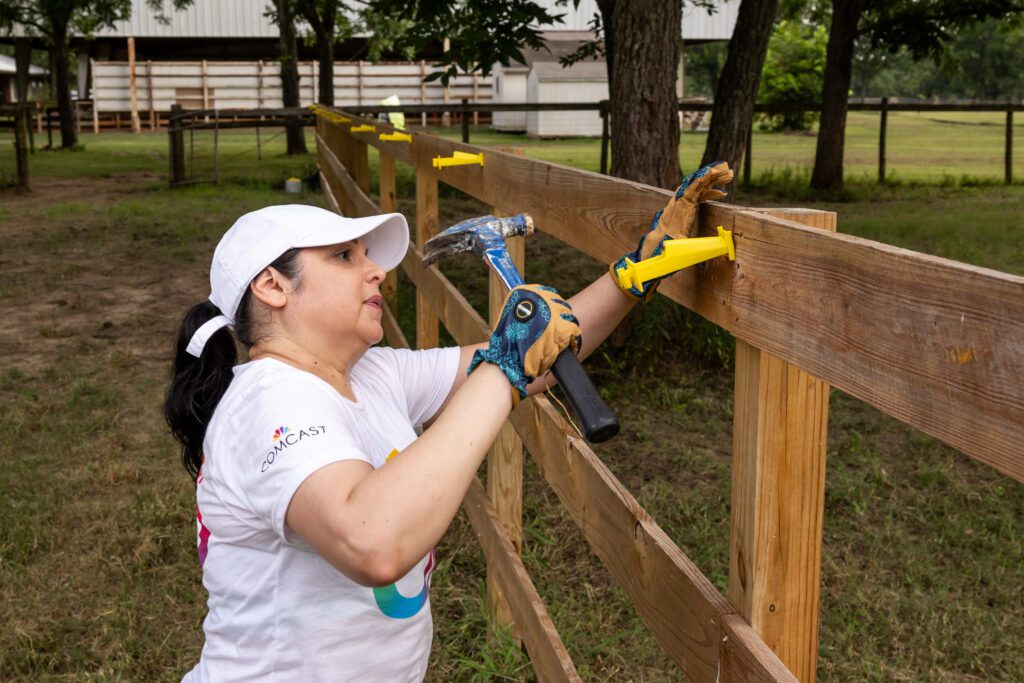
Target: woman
318,505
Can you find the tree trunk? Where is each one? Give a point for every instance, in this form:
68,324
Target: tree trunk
68,134
325,50
733,112
289,49
323,23
642,44
828,158
23,63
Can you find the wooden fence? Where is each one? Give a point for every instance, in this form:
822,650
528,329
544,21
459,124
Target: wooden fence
147,90
936,343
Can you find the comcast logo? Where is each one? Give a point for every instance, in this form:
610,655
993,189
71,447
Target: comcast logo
279,433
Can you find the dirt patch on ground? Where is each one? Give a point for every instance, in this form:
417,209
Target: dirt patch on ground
70,285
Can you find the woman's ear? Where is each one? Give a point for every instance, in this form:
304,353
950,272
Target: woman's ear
271,288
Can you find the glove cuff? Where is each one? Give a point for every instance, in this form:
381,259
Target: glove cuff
508,364
644,295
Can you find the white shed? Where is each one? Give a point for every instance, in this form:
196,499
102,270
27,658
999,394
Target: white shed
509,86
549,82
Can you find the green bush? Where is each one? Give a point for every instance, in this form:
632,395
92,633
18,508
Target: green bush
793,73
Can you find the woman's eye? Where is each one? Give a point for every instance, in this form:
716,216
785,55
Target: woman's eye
345,254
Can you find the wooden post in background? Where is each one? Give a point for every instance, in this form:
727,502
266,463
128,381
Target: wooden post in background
149,89
505,459
387,202
360,164
95,99
427,332
133,87
1009,147
22,121
780,424
176,138
882,125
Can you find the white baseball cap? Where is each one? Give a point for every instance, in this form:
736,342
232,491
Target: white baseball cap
258,238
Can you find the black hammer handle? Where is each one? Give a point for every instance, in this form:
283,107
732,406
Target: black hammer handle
599,422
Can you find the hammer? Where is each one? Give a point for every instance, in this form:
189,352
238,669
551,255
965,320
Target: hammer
485,236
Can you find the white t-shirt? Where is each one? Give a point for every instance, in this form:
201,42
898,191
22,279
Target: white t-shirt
277,610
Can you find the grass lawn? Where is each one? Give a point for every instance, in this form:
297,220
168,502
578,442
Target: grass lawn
923,566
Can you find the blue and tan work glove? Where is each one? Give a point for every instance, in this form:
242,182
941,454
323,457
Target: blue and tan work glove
677,220
535,326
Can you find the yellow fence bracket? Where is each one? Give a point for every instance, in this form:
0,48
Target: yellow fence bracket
459,159
396,137
676,255
365,128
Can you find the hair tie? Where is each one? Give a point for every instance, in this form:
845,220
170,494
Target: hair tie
198,341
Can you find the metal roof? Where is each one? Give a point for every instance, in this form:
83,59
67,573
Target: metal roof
202,19
697,23
247,19
9,66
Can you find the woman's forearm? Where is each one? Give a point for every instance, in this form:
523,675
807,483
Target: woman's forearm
407,504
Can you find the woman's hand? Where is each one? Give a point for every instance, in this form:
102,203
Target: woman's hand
535,326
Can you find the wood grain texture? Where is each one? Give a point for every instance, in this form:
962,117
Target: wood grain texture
676,601
780,424
550,659
745,658
427,333
778,495
329,193
935,343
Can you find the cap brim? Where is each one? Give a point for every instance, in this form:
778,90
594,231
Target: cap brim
386,237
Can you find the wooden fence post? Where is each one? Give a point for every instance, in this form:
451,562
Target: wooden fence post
360,164
427,333
882,125
780,425
505,460
1009,146
22,122
176,138
387,202
133,87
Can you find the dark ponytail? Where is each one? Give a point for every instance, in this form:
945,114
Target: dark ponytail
198,383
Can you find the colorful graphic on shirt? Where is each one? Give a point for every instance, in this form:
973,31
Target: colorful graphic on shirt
203,543
397,606
204,538
280,432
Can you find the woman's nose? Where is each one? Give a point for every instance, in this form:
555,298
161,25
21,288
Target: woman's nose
374,272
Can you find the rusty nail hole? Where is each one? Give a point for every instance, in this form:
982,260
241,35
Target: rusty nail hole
771,608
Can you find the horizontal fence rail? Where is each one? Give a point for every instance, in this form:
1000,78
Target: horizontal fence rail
935,343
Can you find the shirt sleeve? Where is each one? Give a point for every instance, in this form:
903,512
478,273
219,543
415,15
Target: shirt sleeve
426,377
289,430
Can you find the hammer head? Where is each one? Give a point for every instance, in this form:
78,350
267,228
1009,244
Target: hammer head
476,234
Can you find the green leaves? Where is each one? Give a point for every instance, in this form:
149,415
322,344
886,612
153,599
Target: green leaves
480,33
